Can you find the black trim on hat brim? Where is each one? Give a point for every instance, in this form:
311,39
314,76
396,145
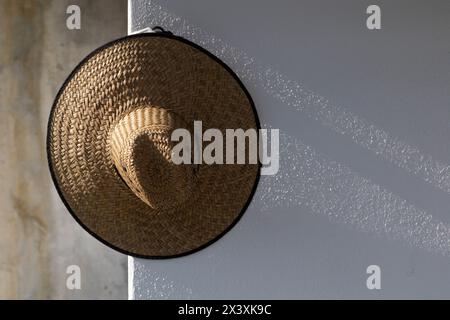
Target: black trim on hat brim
169,35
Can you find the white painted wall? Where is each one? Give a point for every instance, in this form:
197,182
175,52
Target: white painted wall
364,177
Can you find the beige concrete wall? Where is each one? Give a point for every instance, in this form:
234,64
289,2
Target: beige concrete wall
38,237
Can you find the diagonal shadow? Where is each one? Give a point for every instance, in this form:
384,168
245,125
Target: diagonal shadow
326,187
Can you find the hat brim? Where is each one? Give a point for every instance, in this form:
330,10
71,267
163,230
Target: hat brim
148,69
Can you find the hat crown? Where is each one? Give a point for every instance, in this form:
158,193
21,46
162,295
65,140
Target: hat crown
141,151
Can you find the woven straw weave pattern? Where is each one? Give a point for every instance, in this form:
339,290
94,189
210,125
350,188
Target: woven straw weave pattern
141,149
125,76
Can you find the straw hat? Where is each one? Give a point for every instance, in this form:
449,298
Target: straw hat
109,145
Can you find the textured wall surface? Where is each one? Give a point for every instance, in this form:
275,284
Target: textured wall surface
38,237
365,151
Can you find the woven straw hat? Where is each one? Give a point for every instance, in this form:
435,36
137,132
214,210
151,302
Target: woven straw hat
109,145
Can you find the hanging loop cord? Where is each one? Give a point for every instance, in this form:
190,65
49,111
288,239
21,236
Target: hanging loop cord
160,29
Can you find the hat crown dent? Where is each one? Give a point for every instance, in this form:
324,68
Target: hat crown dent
141,146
